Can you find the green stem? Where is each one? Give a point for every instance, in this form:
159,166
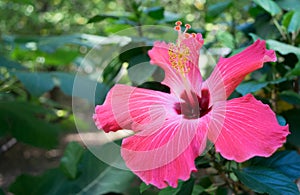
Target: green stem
280,29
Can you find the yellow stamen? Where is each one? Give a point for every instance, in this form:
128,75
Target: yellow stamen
179,53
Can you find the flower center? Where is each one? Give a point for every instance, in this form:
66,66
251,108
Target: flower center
195,107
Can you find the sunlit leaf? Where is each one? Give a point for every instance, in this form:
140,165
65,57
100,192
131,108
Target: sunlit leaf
265,180
269,5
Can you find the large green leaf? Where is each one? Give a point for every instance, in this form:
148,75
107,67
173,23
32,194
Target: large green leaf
25,122
95,177
269,5
265,180
283,48
110,180
36,83
70,159
287,162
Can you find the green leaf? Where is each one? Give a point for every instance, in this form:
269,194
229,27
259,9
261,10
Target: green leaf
281,120
268,5
226,39
289,4
141,72
25,122
144,187
198,190
25,184
217,8
290,97
110,180
36,83
283,48
81,86
95,177
115,16
1,192
264,180
11,64
296,70
70,159
292,118
287,162
287,19
100,17
183,188
155,12
250,86
294,24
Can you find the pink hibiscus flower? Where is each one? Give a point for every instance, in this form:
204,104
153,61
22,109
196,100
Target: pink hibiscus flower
172,129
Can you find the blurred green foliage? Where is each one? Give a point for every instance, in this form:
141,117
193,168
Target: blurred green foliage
43,44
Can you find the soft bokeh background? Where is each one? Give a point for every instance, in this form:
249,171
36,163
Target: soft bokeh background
45,43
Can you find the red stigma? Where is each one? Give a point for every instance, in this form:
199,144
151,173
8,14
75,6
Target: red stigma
178,23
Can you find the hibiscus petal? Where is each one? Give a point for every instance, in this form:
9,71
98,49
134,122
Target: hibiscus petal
134,108
249,129
159,55
230,72
168,155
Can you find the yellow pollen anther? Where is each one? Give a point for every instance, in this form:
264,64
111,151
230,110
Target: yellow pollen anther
179,58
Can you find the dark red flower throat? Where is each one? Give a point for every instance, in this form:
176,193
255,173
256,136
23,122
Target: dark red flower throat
193,106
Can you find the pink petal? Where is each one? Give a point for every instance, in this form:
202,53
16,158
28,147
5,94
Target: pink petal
249,128
159,55
133,108
230,72
168,155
